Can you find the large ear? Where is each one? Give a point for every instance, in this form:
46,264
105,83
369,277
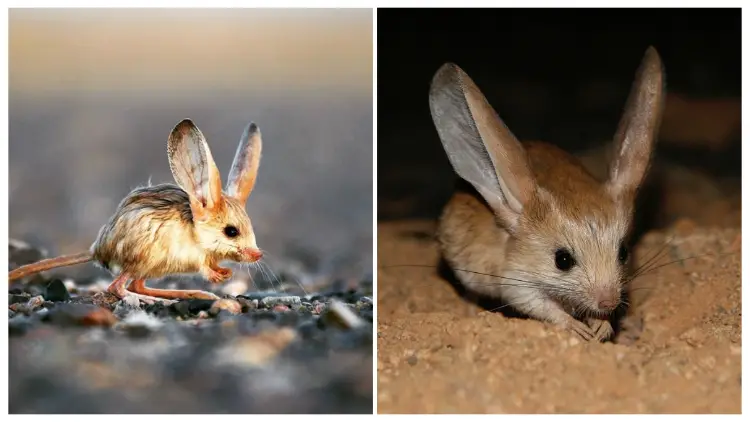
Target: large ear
193,167
638,128
245,166
482,150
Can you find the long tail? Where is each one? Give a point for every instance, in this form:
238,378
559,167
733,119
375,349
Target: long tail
48,264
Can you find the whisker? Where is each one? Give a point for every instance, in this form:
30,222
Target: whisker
656,256
511,304
677,261
566,287
251,276
266,277
297,281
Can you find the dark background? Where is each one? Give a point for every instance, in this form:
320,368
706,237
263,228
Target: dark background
559,75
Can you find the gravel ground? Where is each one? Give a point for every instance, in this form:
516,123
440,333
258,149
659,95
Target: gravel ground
74,348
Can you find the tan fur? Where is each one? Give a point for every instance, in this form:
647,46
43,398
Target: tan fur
152,234
168,229
521,204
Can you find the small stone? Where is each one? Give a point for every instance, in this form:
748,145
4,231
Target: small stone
140,324
412,360
203,315
190,307
318,308
125,306
247,304
131,302
67,314
280,308
229,305
256,350
30,306
270,301
56,291
70,285
339,315
19,326
234,288
19,298
158,309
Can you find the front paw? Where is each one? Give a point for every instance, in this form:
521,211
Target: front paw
219,275
602,328
593,329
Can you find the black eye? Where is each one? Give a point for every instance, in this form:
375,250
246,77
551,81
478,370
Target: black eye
564,260
623,254
231,231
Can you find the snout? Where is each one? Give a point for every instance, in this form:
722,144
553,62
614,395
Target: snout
251,255
606,300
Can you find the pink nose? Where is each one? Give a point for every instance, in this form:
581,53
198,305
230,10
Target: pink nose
607,305
253,255
607,299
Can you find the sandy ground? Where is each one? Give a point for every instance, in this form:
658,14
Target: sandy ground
439,352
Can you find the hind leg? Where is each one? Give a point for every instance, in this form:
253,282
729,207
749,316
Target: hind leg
138,286
117,288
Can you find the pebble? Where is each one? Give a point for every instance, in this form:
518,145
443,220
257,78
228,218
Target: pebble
270,301
247,305
67,314
30,306
19,325
125,306
318,308
229,305
71,285
140,324
234,288
17,298
256,350
56,291
190,307
339,315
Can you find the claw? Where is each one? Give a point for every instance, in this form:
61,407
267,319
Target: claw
219,275
602,328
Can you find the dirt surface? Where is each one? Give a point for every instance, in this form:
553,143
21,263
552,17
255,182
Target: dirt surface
440,353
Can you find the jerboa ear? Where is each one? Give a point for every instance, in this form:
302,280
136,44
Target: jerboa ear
482,150
245,166
638,128
193,168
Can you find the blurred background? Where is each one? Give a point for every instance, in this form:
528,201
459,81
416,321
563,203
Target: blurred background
95,93
562,76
